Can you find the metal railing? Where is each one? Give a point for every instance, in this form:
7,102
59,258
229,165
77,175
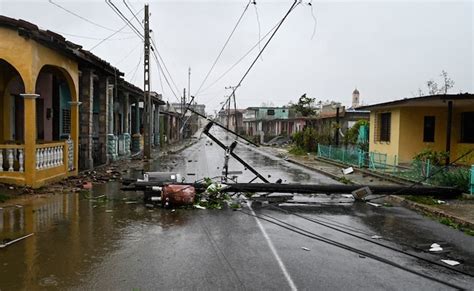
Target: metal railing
415,171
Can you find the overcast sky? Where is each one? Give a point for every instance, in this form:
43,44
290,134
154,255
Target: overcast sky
387,49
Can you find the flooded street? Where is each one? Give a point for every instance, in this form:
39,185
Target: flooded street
117,243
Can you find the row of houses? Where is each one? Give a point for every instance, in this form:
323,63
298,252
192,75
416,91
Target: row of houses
63,109
265,123
399,129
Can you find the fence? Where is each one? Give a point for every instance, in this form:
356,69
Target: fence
472,180
416,171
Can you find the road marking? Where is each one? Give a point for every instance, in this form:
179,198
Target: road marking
272,248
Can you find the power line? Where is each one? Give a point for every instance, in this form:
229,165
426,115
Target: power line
223,48
369,240
133,13
82,17
295,3
128,54
122,16
334,243
108,37
132,79
155,50
164,75
90,37
241,59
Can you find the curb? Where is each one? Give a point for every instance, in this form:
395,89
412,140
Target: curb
331,175
370,173
420,208
426,209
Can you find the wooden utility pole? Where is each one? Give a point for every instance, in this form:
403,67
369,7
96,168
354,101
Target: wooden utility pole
146,89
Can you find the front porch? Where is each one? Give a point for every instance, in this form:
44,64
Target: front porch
52,162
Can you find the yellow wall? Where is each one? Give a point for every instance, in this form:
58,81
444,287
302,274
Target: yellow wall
389,148
406,138
28,57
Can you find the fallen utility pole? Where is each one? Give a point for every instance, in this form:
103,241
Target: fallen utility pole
223,127
306,188
230,150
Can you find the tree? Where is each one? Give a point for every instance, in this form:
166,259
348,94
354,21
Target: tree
304,106
448,83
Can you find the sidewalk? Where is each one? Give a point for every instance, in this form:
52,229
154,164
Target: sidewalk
457,213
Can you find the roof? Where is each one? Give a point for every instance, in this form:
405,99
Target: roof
429,101
355,91
57,42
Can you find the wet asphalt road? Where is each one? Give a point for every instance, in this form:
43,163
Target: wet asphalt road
121,245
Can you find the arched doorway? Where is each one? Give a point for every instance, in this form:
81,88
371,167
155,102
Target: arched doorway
11,104
53,106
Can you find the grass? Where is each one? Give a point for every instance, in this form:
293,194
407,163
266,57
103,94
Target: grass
449,222
344,180
427,200
297,151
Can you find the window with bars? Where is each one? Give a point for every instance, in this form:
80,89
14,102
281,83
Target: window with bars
429,129
382,126
66,121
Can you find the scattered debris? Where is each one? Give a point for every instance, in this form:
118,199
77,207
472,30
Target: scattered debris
199,206
348,171
376,237
109,210
440,202
435,248
451,262
374,204
305,248
9,242
361,193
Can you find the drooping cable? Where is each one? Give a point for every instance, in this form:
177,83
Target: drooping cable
82,17
334,243
259,27
111,35
369,240
295,3
133,13
124,18
222,49
310,4
155,50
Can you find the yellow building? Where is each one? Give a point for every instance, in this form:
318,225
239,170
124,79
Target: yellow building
403,128
38,105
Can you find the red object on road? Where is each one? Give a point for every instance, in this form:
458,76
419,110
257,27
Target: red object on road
87,185
177,195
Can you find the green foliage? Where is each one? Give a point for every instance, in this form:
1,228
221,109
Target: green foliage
297,151
308,140
436,158
352,134
427,200
4,197
455,177
304,106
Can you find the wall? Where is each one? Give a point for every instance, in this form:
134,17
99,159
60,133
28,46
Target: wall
411,131
390,148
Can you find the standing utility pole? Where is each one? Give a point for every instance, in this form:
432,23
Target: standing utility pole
146,89
189,83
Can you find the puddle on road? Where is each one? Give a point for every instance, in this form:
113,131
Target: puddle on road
72,234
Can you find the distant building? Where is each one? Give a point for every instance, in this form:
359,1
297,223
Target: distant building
355,98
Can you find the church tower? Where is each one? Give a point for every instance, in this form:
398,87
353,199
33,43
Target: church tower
355,98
